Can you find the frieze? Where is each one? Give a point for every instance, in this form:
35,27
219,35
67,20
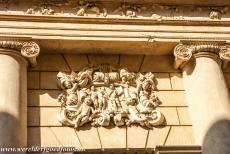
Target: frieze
100,9
103,95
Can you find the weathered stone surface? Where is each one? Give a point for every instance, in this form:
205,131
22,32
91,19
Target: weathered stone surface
33,80
172,98
68,138
163,81
97,59
42,116
51,62
48,80
77,61
112,137
43,97
176,81
87,134
42,137
180,135
157,136
184,116
170,115
158,64
136,137
132,62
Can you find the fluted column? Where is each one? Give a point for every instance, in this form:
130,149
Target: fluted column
205,86
14,58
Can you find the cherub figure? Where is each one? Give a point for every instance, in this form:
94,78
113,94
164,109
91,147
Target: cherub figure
145,87
84,112
114,101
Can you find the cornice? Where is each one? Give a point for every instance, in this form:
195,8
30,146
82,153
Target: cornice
184,51
28,49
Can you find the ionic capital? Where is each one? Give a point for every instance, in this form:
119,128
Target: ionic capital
30,50
184,51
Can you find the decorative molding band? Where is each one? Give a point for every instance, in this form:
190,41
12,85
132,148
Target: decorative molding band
30,50
184,51
99,95
115,9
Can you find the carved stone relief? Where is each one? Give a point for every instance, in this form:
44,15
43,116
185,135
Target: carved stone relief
184,51
116,9
30,50
104,94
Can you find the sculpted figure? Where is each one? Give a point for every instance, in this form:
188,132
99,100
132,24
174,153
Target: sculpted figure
102,99
101,94
145,87
83,113
114,99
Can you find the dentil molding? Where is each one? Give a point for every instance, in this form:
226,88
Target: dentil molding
30,50
184,51
104,94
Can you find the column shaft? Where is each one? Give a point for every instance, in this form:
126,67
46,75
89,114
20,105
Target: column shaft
13,99
206,93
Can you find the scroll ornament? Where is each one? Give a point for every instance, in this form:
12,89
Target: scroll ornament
184,52
104,94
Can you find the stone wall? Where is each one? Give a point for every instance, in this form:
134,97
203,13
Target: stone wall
45,130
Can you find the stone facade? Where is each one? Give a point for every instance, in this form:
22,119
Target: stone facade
115,76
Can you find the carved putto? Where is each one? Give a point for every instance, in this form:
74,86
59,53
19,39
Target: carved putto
104,94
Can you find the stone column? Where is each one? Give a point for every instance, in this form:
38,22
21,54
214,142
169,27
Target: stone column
13,91
205,87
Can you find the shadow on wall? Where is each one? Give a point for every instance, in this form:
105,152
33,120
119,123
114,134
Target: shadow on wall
217,139
9,130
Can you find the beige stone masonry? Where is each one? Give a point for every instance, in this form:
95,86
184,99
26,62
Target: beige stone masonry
112,137
44,116
157,136
132,62
48,80
136,137
97,59
76,62
170,114
180,136
43,97
51,62
184,117
163,81
177,81
89,133
33,80
158,64
172,98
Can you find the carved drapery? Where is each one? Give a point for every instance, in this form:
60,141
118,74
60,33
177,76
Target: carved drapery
99,95
30,50
183,52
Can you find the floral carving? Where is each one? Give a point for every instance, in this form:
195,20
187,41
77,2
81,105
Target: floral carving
99,95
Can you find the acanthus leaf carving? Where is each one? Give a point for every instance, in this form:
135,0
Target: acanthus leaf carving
100,95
